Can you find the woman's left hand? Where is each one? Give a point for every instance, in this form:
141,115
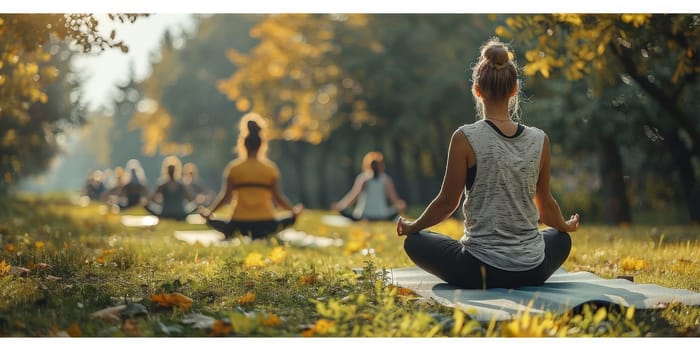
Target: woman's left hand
404,227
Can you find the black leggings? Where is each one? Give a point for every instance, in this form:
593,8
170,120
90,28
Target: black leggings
253,229
446,258
349,214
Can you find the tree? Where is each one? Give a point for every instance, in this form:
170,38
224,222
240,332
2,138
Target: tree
657,54
36,85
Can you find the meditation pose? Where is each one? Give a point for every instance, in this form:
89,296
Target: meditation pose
503,168
373,190
95,186
171,199
251,184
131,187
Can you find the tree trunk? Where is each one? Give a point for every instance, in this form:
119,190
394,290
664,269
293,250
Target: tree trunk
616,203
690,185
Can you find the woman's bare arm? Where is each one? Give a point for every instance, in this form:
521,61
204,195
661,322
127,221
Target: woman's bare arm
447,200
547,206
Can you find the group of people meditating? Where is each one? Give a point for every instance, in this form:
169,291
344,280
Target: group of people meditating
500,165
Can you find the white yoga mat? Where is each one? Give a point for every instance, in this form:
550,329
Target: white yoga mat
563,291
336,220
206,238
303,239
139,220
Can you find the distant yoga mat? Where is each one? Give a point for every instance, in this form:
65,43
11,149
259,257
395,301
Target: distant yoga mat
139,221
203,237
336,220
303,239
563,291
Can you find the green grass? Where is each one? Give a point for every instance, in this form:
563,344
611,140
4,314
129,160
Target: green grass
95,263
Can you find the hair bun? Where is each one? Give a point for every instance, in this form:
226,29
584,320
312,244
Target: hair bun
496,56
253,127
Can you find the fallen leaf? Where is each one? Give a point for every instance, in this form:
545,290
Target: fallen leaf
109,314
19,271
131,328
221,327
247,298
161,328
53,278
173,299
5,268
74,330
199,321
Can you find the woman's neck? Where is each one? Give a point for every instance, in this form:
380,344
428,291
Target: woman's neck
497,112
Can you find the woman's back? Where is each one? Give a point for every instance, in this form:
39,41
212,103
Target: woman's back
500,215
253,180
173,197
373,203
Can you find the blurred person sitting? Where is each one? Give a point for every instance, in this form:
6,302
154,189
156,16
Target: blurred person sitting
251,185
372,191
171,199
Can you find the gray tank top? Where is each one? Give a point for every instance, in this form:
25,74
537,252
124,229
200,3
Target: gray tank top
372,202
500,225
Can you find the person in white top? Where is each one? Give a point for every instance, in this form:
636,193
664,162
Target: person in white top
503,169
373,191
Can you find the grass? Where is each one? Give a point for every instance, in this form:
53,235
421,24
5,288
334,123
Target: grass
81,260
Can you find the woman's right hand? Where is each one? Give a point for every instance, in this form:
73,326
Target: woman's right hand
297,209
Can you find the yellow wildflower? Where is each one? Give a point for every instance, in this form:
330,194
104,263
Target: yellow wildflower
254,260
39,245
278,254
632,264
10,247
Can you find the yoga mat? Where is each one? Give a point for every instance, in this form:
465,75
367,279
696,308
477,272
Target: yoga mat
563,291
139,221
205,238
336,220
303,239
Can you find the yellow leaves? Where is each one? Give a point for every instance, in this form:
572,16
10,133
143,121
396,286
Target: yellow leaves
254,259
221,327
5,268
574,19
173,299
247,298
278,254
637,20
321,327
629,314
10,138
39,245
503,32
308,279
74,330
401,291
236,57
629,263
532,326
242,104
271,320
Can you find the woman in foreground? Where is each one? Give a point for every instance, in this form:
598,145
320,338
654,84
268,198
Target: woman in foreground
503,168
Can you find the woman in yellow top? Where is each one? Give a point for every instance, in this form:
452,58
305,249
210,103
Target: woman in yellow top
251,184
